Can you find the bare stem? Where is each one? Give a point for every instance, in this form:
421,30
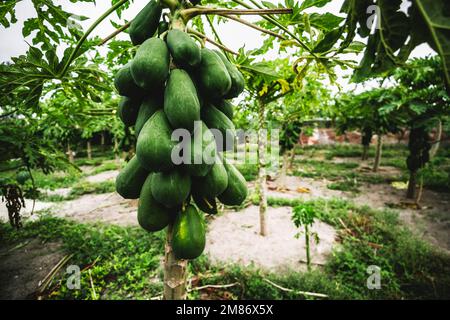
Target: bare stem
115,33
190,13
254,26
201,35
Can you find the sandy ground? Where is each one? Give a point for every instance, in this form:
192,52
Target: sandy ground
107,208
234,238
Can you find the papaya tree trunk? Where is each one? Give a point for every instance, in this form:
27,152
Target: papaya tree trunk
292,158
434,149
102,141
262,169
376,164
70,153
116,149
412,185
365,153
175,272
282,179
89,150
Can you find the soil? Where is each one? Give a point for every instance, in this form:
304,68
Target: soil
22,269
233,237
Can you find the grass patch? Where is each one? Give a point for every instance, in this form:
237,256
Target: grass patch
349,185
249,171
83,188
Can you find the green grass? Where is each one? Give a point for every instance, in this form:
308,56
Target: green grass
350,185
127,260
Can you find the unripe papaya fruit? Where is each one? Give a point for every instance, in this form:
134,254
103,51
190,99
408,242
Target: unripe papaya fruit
128,109
130,180
217,120
236,191
237,79
150,66
226,107
181,104
152,216
188,241
214,183
154,145
145,23
171,188
202,152
125,84
183,49
149,106
212,75
22,176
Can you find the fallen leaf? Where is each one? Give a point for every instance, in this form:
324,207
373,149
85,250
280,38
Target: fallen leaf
303,190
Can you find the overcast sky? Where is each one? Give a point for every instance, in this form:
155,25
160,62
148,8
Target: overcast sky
233,34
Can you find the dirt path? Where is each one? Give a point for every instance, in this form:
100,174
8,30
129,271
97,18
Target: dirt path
234,238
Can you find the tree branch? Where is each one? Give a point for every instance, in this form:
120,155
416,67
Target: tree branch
201,35
305,293
115,33
190,13
254,26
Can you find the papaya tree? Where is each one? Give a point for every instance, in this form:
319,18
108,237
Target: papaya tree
373,111
424,102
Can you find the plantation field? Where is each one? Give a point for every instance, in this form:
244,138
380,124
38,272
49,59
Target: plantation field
362,219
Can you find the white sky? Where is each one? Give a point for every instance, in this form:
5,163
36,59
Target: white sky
233,34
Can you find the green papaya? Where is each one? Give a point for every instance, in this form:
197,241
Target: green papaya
148,107
125,84
212,75
207,205
237,79
128,109
226,107
217,120
145,23
162,27
181,104
130,180
189,238
150,66
22,177
154,145
236,191
183,49
171,188
214,183
201,151
152,216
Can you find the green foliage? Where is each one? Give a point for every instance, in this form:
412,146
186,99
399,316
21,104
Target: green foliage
397,33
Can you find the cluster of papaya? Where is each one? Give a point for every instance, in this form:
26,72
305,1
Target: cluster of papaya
172,83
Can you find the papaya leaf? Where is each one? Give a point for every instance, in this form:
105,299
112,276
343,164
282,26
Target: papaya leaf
436,14
313,3
328,41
